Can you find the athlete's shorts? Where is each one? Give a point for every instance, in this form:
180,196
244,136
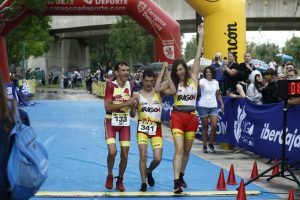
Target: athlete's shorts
184,124
205,112
111,131
156,140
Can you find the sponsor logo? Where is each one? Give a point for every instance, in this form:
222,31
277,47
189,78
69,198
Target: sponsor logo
112,2
186,97
141,6
221,125
169,52
88,1
243,126
150,109
232,38
272,135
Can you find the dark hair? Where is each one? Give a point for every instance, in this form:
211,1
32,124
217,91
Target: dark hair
6,116
148,72
269,71
174,74
293,70
234,55
258,84
241,76
212,70
120,63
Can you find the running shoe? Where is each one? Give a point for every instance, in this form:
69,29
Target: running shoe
183,183
143,187
177,186
211,148
150,179
204,149
109,182
119,184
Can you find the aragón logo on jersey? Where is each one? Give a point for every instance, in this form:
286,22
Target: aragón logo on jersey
150,109
186,97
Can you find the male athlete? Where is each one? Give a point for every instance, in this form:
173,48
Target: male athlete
149,127
118,104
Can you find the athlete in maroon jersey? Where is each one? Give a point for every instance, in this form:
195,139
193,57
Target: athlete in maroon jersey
118,104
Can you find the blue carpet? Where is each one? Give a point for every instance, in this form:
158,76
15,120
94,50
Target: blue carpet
73,134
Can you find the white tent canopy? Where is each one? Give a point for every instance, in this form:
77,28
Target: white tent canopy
203,62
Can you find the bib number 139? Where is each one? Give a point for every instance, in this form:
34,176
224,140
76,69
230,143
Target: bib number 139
120,119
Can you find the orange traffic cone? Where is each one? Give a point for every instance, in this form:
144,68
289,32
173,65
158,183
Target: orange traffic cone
221,181
231,176
291,194
241,195
254,172
275,169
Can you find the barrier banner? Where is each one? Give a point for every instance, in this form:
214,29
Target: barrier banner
11,91
167,103
257,128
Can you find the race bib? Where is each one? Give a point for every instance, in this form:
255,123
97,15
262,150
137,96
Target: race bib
147,127
120,119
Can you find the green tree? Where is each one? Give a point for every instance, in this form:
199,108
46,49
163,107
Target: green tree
293,48
265,52
101,53
190,49
32,33
130,41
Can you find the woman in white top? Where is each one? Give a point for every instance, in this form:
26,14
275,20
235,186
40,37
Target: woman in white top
208,107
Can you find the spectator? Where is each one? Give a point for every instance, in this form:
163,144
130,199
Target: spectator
50,78
219,64
231,70
253,93
292,74
270,88
246,67
6,125
208,107
241,86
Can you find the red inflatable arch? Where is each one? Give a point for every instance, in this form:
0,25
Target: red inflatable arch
147,13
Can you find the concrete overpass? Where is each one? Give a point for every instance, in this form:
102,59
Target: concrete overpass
72,52
260,15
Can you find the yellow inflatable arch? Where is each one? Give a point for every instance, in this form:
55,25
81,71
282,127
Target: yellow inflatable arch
224,26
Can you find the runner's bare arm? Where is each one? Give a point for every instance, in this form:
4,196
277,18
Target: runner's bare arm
196,65
133,108
159,87
111,107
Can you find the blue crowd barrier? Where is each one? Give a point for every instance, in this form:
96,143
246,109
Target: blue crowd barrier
257,128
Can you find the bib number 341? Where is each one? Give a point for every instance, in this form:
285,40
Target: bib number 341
147,127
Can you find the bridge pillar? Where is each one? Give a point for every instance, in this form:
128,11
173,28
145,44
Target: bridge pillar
68,55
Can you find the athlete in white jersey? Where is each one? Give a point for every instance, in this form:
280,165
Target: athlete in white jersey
184,120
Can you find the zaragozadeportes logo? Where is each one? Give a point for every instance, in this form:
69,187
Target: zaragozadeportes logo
105,2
